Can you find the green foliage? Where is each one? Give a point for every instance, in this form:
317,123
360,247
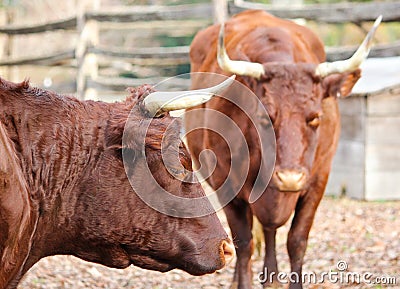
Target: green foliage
176,70
128,75
333,1
313,1
167,41
162,2
182,68
182,2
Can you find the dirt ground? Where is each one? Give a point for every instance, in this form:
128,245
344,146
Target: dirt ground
365,235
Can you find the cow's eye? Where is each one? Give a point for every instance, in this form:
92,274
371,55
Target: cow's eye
314,121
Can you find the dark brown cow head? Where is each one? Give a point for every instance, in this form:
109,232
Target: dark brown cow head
293,94
64,187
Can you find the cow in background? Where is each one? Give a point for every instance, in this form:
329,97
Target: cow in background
282,63
64,188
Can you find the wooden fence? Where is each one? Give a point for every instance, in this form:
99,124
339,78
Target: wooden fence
88,55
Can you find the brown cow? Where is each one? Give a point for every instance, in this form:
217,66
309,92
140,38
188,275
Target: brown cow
64,190
281,63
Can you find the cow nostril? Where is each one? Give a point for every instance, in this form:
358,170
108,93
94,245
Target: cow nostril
228,250
288,180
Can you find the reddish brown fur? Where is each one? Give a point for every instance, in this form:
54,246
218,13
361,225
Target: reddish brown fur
63,187
293,96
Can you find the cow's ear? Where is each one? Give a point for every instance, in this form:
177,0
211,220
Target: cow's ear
340,85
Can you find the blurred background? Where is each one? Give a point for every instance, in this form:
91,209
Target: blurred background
95,49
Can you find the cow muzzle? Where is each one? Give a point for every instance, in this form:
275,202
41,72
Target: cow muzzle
290,180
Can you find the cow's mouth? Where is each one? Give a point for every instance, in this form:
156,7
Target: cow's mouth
189,258
150,263
158,264
200,264
290,191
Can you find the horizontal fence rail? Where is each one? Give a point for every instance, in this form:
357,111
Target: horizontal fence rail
120,15
120,84
328,13
378,50
45,60
65,24
152,13
176,52
181,54
162,57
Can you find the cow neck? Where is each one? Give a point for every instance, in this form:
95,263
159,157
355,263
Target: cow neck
57,138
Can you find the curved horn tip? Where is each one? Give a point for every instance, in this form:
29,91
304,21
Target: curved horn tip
223,85
378,20
230,80
371,33
354,62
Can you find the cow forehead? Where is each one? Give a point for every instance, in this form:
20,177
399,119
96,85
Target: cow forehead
291,86
290,71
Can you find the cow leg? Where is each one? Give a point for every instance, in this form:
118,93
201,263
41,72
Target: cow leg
298,236
240,219
270,262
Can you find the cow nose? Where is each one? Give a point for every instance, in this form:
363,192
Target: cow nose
290,180
228,250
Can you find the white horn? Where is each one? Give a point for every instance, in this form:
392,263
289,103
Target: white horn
351,64
162,101
246,68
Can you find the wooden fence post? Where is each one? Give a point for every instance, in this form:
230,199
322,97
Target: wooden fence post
293,3
9,72
88,36
287,2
